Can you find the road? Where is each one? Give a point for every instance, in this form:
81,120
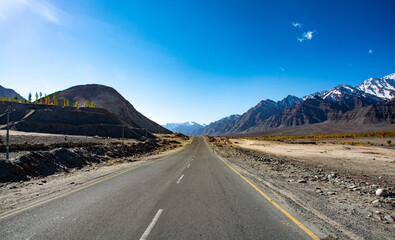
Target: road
188,195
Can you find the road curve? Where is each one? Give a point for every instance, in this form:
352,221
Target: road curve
188,195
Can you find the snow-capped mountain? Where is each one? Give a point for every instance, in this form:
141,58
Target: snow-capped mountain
185,128
289,101
346,91
381,87
316,94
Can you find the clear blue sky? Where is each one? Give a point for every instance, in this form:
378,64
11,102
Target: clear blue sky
179,61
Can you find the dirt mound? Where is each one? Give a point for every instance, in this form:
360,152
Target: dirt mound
69,120
45,163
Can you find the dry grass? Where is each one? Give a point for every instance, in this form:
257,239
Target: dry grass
329,136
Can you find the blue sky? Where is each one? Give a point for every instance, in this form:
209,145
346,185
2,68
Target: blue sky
179,61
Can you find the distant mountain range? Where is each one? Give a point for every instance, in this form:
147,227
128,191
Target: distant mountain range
363,104
9,93
186,128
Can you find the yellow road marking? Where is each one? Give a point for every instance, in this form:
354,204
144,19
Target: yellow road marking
311,234
75,190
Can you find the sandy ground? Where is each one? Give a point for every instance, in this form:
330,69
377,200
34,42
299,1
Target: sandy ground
16,195
372,161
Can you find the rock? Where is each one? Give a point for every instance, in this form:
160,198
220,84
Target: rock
331,193
44,181
318,191
389,218
351,187
72,183
302,181
110,154
376,203
381,192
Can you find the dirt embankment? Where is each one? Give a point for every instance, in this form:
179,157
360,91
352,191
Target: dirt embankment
340,203
44,173
43,159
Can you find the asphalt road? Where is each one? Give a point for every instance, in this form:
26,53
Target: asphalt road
188,195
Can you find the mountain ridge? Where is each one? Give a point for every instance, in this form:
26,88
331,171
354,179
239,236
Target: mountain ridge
311,109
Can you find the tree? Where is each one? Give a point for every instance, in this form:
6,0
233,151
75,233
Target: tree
92,103
36,96
29,99
15,99
41,100
55,99
66,103
86,104
76,103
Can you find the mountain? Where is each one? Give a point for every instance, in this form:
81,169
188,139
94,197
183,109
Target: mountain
334,103
9,93
316,94
262,111
111,100
381,87
315,108
254,116
312,110
372,114
372,118
218,127
185,128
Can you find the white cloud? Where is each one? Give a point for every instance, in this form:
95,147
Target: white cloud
306,36
40,8
370,51
297,25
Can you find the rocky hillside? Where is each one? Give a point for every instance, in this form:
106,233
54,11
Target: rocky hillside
111,100
218,127
254,116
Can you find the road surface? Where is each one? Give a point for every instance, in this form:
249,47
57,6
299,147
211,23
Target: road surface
188,195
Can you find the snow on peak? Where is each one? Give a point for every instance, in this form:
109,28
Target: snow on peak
383,88
390,76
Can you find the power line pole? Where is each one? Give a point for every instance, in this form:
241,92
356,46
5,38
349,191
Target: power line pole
123,134
8,134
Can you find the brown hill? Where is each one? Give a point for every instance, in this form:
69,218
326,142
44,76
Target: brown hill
111,100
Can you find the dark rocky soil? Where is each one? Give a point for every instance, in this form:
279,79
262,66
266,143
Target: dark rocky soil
53,158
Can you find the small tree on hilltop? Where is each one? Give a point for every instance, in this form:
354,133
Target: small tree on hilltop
41,100
29,98
55,99
76,103
36,96
15,99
